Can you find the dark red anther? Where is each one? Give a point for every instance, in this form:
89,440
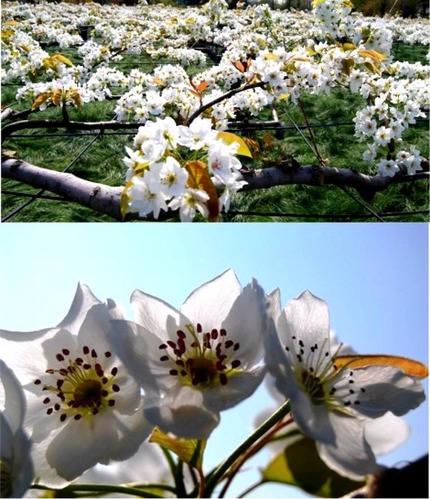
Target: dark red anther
181,334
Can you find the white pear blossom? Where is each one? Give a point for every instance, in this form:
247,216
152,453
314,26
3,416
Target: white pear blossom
388,167
383,135
383,434
199,360
222,161
189,203
332,404
16,466
198,135
173,177
145,193
83,406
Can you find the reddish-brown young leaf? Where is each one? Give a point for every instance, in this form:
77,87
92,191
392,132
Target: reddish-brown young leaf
408,366
199,178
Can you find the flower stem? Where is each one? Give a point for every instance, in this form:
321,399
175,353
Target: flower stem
108,489
249,453
251,488
216,476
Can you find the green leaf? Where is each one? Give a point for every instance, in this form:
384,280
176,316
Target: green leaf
300,465
189,451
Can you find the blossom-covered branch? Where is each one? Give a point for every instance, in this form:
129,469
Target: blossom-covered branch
107,199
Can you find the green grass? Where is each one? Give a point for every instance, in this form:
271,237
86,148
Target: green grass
102,162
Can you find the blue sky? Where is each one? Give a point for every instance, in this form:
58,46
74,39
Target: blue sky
374,278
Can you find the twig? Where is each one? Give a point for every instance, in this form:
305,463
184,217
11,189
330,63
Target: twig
7,130
225,96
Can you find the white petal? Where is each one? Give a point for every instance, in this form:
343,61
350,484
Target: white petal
54,343
183,414
386,389
350,455
6,441
15,453
210,303
314,420
23,353
154,314
82,444
307,318
129,394
139,350
23,474
133,430
94,329
238,387
82,302
246,323
147,465
386,433
275,303
12,401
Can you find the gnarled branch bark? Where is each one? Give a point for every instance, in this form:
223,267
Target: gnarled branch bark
105,199
366,185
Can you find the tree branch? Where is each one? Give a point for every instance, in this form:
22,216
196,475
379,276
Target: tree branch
8,129
319,176
98,197
105,199
222,97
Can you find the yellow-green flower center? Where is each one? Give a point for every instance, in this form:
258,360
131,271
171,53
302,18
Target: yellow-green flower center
80,387
314,387
201,359
318,376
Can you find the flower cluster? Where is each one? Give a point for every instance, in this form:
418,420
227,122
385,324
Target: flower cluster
97,384
290,53
158,178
